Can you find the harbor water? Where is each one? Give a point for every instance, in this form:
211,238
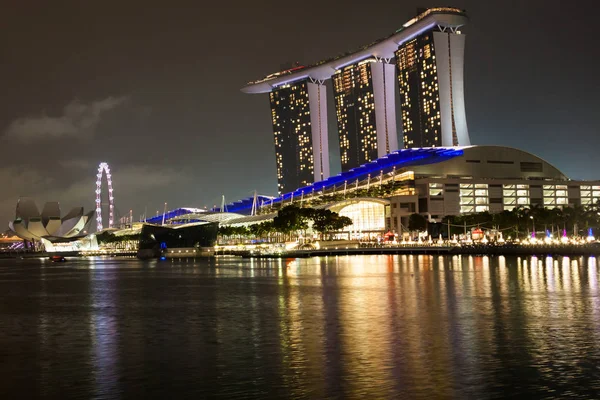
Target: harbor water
345,327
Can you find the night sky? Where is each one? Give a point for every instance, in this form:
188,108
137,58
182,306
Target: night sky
155,91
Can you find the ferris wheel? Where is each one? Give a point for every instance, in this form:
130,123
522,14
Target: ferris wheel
103,169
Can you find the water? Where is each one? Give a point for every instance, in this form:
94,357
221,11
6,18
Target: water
343,327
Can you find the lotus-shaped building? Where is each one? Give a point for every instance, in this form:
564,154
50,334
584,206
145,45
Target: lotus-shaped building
30,225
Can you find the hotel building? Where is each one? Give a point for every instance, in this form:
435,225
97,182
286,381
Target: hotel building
366,116
301,149
430,78
363,86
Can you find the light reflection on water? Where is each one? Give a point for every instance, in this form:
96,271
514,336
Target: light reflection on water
376,326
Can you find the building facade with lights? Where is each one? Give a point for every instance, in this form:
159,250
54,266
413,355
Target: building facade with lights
365,111
435,182
428,51
488,179
298,112
431,82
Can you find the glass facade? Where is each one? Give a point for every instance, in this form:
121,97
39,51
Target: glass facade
589,195
290,113
436,189
474,197
365,215
515,195
419,93
555,195
355,112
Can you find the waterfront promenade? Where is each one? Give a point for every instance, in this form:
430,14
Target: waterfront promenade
477,249
507,249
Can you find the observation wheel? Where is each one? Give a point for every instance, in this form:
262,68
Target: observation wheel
103,169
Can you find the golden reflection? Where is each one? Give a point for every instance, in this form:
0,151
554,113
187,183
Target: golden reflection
483,275
575,274
440,263
456,262
593,276
565,275
371,319
362,301
524,276
550,284
293,347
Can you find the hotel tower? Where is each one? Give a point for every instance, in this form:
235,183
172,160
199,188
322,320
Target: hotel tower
424,58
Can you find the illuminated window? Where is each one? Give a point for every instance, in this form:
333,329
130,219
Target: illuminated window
436,189
365,215
589,194
555,195
290,114
515,195
355,112
474,197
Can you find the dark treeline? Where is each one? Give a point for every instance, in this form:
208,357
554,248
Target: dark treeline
290,220
523,220
109,237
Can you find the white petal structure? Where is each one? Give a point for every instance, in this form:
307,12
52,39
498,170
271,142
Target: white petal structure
72,223
36,227
30,225
26,209
51,217
21,231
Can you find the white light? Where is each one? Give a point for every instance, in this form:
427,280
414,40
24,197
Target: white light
103,167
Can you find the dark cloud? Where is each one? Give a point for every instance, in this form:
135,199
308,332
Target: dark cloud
42,186
78,120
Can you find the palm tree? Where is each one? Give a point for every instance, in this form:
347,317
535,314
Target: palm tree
521,214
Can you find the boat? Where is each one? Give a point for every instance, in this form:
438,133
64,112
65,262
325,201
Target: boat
57,258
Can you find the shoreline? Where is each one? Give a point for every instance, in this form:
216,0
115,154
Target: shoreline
480,250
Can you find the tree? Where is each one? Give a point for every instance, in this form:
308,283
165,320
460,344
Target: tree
417,222
325,221
262,229
340,222
289,219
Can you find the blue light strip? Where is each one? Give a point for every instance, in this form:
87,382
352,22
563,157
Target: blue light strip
244,204
171,214
398,159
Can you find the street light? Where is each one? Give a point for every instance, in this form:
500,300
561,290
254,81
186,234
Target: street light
533,223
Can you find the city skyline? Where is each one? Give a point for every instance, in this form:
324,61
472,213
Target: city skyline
141,98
